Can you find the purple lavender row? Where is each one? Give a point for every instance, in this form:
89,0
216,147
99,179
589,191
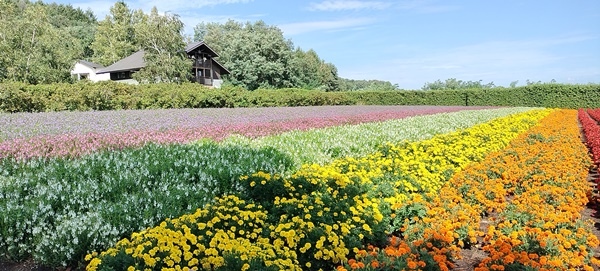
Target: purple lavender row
172,126
26,125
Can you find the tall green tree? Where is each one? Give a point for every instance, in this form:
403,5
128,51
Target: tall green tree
78,23
161,38
33,50
257,55
115,36
311,72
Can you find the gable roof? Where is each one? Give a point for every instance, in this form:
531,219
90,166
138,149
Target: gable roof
136,61
198,44
130,63
90,64
225,70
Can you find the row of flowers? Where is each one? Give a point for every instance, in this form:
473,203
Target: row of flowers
320,216
541,226
56,210
534,190
92,139
591,131
27,125
594,113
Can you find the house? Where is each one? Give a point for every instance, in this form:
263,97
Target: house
204,70
88,70
123,69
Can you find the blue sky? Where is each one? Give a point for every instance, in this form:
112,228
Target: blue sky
411,42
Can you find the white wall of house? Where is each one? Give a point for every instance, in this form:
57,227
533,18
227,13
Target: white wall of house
85,72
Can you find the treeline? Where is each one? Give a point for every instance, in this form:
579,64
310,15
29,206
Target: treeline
20,97
40,43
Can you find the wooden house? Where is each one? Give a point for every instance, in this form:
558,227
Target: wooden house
205,68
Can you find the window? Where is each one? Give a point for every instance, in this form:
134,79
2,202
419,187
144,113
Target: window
120,75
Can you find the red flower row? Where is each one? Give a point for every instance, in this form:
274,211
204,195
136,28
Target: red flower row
591,130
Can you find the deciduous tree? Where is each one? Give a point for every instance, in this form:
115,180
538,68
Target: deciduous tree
161,38
115,36
257,55
33,50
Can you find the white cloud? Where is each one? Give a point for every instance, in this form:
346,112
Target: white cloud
337,5
305,27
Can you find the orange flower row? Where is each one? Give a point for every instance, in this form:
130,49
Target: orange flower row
538,187
544,189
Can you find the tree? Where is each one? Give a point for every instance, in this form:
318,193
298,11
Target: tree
311,72
80,24
161,38
452,83
359,85
33,50
115,36
257,55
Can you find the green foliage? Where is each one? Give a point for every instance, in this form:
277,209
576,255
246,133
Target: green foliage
34,47
362,85
258,56
78,23
161,38
536,95
452,83
57,210
115,37
19,97
311,72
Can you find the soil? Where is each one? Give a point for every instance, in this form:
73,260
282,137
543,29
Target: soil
22,266
591,212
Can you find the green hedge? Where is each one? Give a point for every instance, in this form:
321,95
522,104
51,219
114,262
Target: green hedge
19,97
539,95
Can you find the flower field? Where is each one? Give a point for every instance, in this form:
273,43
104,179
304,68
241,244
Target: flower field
349,188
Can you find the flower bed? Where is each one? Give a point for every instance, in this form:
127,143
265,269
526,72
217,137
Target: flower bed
537,186
72,134
594,113
591,131
57,209
322,214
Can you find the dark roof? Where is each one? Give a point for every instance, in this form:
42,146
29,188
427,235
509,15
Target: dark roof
194,45
136,61
225,70
133,62
90,64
